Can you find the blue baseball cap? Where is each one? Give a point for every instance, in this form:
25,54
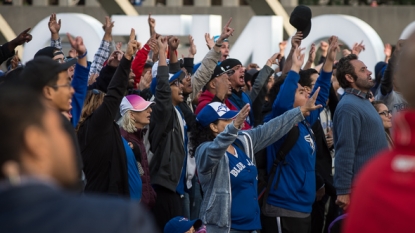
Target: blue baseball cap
213,112
215,38
181,225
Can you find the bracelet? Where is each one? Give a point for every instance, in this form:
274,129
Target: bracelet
218,45
82,56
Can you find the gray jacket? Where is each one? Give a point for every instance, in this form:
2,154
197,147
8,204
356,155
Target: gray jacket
213,165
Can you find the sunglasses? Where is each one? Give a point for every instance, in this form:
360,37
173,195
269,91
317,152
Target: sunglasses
386,113
228,72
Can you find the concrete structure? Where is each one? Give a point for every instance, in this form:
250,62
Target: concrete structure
388,21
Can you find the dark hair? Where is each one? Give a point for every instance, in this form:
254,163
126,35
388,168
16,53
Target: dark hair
15,104
305,77
343,68
199,135
376,104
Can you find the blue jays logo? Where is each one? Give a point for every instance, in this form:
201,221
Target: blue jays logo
222,108
310,140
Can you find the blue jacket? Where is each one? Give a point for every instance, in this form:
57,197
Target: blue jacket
80,84
297,185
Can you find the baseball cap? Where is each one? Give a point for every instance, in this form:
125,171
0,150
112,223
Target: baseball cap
181,225
38,72
213,112
215,38
225,66
49,51
134,103
153,84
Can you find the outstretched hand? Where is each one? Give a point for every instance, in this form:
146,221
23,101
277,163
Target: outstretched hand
273,60
192,47
22,38
77,44
209,41
173,43
358,48
240,118
310,104
334,48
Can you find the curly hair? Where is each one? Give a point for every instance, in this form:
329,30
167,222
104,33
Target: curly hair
199,135
127,123
93,100
343,68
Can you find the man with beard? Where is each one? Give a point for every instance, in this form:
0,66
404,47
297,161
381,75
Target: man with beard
358,129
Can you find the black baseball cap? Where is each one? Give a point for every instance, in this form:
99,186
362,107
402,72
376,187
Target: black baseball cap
224,66
38,72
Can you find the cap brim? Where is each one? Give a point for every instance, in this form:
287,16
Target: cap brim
197,224
143,106
67,64
229,115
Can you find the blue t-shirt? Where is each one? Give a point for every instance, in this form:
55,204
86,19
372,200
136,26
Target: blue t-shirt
244,178
134,179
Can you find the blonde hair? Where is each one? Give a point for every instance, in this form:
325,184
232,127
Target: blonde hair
92,102
127,123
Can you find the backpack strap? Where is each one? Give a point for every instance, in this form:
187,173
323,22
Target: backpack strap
286,147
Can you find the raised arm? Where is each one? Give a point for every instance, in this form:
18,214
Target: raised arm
209,62
105,114
270,132
311,57
54,28
80,79
104,48
7,49
174,65
295,43
141,58
262,79
386,85
286,95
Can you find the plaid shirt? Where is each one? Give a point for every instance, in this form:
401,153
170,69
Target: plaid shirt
99,58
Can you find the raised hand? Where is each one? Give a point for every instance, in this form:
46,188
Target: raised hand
192,47
324,46
358,48
312,53
334,48
273,59
310,105
240,118
346,52
151,21
282,46
296,40
108,28
297,59
77,44
72,53
132,46
162,43
209,41
226,32
173,43
22,38
388,50
118,46
54,25
145,81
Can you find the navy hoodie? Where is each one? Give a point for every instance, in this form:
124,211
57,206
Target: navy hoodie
297,185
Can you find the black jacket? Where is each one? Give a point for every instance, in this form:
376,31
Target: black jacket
104,79
99,137
165,136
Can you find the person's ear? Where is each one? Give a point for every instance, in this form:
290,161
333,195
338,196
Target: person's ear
212,84
214,127
248,83
349,78
48,92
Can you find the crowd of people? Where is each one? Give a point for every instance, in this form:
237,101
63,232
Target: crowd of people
139,140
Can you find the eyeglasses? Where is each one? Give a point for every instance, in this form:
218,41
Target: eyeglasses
176,83
60,60
386,113
68,85
228,72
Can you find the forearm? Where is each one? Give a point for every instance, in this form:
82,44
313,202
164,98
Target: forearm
205,71
288,62
6,51
308,65
173,56
56,43
100,57
387,80
162,97
208,156
79,83
260,82
139,61
286,95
